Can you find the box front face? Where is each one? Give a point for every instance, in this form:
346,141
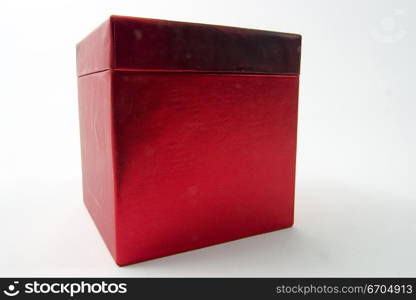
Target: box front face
201,159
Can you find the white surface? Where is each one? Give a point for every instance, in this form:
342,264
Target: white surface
355,204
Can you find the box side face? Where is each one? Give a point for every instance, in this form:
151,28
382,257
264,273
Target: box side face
94,96
94,53
166,45
203,159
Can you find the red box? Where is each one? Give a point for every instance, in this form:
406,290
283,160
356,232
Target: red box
188,133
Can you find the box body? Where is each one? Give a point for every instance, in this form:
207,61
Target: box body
181,147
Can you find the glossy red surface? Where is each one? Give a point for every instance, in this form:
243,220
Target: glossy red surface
175,160
148,44
97,149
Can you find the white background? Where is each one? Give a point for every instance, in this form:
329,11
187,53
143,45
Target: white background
355,194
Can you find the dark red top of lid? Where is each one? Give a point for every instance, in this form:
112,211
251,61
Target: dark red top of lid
148,44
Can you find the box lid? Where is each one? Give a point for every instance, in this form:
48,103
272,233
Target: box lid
128,43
